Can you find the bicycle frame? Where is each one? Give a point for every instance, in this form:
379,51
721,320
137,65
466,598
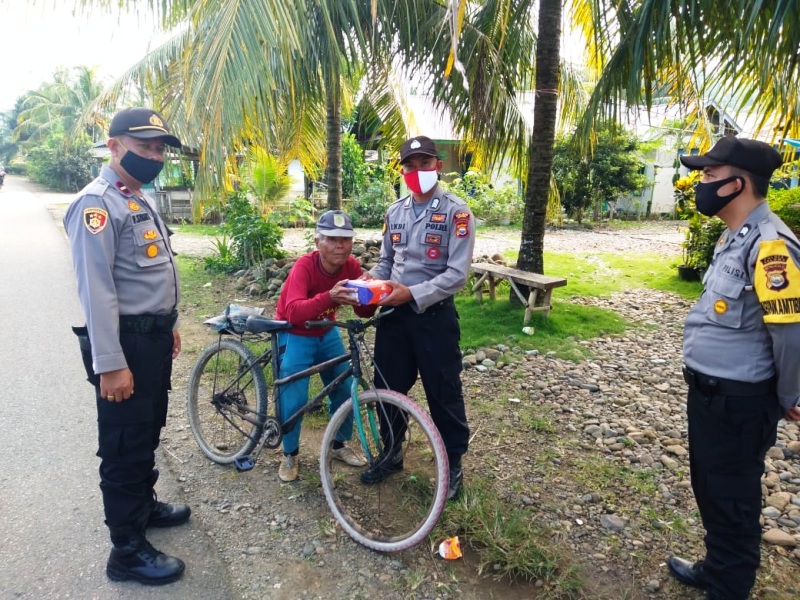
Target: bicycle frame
272,356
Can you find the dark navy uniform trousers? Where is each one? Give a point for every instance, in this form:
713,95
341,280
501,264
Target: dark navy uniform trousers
407,343
129,431
731,426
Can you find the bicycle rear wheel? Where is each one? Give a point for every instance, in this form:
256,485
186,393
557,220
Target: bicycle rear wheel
399,512
227,401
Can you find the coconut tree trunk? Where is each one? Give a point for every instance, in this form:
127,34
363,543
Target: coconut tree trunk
540,148
334,145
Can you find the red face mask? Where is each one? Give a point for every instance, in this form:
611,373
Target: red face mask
421,182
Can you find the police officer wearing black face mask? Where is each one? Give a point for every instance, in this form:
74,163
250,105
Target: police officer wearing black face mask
741,344
128,287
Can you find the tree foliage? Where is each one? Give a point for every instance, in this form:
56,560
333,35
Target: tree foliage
59,164
613,169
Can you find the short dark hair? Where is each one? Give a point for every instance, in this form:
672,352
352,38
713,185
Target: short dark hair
760,184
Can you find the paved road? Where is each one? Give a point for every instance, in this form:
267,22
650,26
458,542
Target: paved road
53,543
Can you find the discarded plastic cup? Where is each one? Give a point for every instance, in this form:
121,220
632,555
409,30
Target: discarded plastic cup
450,549
528,330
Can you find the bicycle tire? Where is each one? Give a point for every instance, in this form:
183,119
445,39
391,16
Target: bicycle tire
219,427
399,512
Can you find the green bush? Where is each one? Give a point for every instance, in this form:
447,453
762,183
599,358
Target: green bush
786,204
369,207
489,204
247,238
298,213
58,166
701,239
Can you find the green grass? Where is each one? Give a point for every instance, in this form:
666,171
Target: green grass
597,275
197,230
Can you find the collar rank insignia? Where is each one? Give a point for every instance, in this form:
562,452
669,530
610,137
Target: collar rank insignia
95,219
435,204
123,189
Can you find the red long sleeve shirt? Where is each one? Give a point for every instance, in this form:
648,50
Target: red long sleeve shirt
305,294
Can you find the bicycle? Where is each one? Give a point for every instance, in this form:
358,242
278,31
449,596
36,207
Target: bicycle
228,405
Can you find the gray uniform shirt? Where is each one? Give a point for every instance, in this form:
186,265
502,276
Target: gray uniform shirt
431,253
123,262
725,333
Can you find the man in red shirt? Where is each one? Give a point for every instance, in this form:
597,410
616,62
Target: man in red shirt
313,291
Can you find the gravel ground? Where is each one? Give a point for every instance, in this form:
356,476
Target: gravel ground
663,237
622,409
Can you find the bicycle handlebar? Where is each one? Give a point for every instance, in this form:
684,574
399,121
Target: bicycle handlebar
354,325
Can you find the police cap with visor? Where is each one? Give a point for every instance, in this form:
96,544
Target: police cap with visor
752,156
142,123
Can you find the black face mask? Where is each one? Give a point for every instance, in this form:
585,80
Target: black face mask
142,169
708,202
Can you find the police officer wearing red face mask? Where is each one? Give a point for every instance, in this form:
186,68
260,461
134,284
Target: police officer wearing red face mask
426,253
741,343
128,287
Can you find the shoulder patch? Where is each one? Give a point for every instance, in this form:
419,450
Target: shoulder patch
95,219
777,282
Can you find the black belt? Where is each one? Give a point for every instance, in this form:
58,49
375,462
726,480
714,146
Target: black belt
147,323
726,387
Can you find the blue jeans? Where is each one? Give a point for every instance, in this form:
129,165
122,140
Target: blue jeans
301,352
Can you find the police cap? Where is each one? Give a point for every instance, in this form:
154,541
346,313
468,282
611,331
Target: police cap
750,155
417,145
142,123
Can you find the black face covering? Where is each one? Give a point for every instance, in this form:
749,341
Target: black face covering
708,202
142,169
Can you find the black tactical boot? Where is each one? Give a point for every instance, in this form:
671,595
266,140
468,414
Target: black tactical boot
167,515
134,558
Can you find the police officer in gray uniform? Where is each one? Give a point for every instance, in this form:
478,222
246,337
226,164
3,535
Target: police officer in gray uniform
426,253
741,344
128,287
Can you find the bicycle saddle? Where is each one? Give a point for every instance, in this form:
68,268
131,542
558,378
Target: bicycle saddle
256,324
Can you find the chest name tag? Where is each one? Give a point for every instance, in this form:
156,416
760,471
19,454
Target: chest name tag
777,283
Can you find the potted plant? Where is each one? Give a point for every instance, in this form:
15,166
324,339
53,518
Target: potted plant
702,236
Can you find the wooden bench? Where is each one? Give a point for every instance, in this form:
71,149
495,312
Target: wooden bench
537,283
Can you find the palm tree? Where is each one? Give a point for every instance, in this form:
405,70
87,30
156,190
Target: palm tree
64,103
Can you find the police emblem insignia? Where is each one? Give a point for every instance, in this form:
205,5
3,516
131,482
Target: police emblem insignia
95,219
720,307
777,282
414,145
438,217
338,220
154,120
133,206
462,230
433,252
152,251
395,238
461,216
150,235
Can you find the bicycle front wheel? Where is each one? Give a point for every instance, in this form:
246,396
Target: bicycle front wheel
227,401
400,511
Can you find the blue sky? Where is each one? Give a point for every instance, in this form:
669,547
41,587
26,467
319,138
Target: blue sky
36,40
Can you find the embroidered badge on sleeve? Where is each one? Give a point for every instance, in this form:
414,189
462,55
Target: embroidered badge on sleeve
462,223
95,219
777,283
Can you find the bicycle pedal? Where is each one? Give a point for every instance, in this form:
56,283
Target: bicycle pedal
245,463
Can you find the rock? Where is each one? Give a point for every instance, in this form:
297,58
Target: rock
779,500
612,522
778,537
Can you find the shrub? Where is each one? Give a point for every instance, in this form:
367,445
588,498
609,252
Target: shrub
489,204
248,238
786,204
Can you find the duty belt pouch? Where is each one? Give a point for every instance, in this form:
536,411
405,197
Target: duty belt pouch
86,354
